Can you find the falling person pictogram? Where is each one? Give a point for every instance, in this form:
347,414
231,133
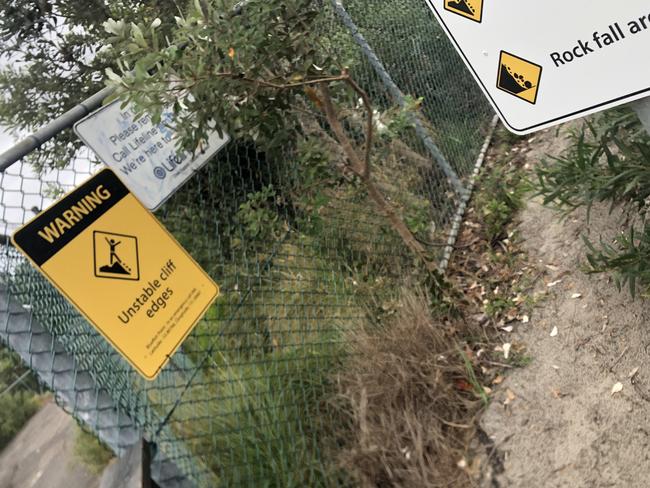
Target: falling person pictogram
115,256
116,265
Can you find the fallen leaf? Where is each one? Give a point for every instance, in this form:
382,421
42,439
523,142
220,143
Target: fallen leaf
633,373
487,390
576,295
508,328
552,267
510,397
553,283
525,319
462,464
617,388
506,349
481,318
554,332
555,367
498,380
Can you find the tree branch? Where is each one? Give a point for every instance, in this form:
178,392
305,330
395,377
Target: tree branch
360,168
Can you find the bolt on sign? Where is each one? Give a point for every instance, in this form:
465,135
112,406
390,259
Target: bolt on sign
144,155
109,256
543,63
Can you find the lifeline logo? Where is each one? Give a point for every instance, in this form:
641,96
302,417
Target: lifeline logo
169,165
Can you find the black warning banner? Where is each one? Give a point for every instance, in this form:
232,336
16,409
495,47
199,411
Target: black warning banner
57,226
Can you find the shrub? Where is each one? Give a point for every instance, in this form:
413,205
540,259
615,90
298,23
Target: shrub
608,161
16,408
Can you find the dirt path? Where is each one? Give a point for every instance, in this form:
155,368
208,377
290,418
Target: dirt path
564,427
41,455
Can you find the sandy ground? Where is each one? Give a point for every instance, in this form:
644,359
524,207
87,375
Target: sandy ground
41,455
556,422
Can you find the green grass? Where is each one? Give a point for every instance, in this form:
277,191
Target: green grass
21,402
16,408
91,452
518,360
497,306
257,415
478,389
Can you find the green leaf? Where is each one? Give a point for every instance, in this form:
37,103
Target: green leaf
138,37
113,76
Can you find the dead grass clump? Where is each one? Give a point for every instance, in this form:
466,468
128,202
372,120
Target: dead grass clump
411,412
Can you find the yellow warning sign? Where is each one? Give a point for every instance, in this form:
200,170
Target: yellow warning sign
121,269
471,9
519,77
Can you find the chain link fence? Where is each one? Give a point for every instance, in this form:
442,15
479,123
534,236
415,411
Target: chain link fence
301,256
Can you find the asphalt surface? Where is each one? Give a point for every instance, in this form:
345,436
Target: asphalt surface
41,455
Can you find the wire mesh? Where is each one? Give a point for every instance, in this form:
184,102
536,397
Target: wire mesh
301,256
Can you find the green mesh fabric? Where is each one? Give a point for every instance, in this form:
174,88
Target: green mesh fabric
247,399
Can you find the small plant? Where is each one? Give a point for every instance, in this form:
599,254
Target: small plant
258,217
519,360
497,306
500,198
627,258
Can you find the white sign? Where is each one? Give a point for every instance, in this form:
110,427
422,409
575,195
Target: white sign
141,154
542,63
